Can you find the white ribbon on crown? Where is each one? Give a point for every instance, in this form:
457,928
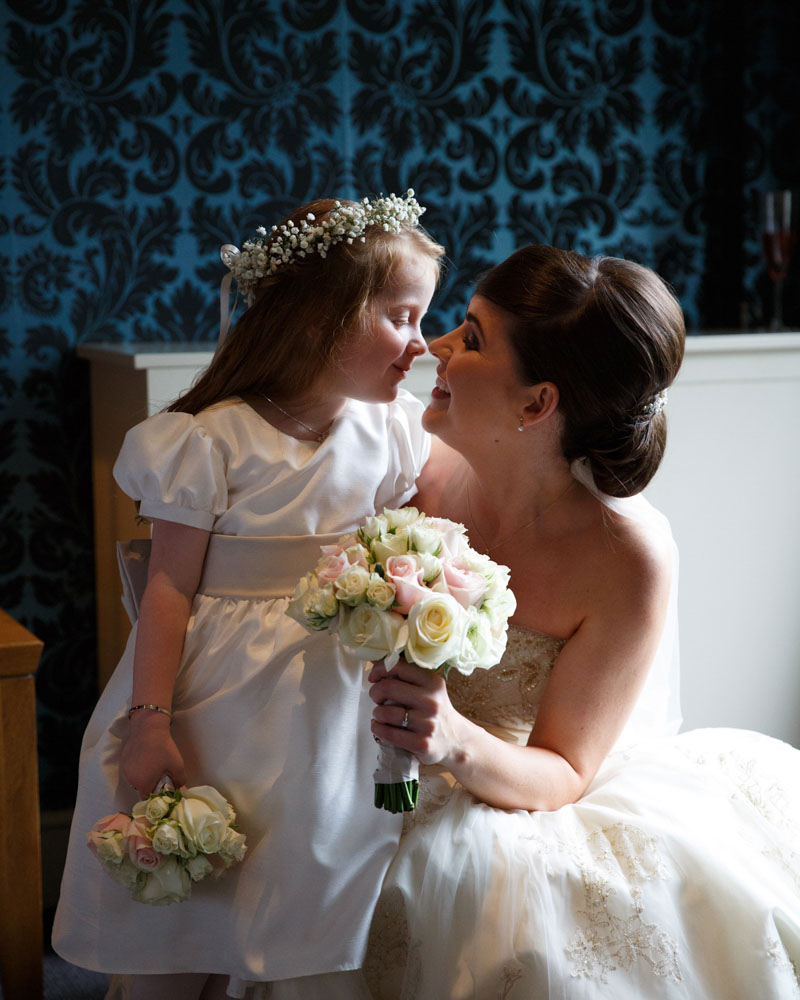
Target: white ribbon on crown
227,254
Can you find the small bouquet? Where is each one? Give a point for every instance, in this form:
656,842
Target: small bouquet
408,584
173,838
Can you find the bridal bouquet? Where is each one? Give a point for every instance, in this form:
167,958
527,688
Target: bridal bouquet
173,838
408,584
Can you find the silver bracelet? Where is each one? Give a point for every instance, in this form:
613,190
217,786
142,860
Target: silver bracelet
150,708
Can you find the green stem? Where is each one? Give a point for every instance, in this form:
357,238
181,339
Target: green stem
400,797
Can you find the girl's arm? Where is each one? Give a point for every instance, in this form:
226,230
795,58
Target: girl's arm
176,564
589,697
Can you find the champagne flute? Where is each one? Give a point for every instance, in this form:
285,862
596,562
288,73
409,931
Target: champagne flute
777,237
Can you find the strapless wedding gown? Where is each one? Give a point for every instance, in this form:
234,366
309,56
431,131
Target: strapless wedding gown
677,874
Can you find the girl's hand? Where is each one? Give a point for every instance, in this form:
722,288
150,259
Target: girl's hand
150,752
434,730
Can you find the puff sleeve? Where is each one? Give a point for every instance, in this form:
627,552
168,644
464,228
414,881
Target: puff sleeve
175,468
409,448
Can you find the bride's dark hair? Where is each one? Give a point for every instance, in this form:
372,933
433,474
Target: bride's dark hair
610,335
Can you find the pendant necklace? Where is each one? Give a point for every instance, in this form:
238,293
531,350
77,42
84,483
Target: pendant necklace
318,434
521,527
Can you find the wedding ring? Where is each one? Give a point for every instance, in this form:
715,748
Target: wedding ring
404,723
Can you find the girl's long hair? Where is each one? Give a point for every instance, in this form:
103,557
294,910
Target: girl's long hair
303,313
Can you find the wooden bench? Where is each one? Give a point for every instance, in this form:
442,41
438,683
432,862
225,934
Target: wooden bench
20,837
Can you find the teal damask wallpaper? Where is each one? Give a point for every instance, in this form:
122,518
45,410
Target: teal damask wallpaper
140,135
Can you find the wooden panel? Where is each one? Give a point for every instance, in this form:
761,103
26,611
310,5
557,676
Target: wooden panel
119,400
20,843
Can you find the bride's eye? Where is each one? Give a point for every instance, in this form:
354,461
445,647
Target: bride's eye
470,341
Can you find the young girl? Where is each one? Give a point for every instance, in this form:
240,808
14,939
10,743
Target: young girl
297,430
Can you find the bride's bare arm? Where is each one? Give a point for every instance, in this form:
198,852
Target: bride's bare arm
589,697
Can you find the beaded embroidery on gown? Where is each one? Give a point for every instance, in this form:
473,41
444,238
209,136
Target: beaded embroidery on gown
677,875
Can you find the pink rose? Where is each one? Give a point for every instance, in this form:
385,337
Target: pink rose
332,565
405,573
453,540
140,848
464,584
106,827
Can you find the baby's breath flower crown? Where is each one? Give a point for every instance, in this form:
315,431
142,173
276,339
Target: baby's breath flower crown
263,255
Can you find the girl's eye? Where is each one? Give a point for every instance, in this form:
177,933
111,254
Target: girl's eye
470,341
400,320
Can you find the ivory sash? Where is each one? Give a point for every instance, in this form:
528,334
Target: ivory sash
252,566
235,566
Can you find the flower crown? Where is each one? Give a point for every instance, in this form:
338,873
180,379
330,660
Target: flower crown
263,255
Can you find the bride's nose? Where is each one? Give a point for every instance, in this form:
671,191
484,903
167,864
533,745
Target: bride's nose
442,347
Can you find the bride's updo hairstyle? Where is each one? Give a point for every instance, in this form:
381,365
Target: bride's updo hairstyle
302,313
610,335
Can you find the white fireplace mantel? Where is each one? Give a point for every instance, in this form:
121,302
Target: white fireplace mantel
730,484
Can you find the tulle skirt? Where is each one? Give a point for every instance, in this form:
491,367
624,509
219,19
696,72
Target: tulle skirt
677,876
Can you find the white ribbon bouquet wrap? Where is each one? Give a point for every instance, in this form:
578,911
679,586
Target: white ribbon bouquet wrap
408,584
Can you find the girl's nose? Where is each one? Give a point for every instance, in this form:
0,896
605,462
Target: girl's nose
416,345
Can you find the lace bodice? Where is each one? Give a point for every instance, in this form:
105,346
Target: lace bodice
505,699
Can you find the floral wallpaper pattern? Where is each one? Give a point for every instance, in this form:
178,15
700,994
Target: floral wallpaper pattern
140,135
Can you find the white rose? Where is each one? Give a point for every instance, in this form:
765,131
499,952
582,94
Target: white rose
498,577
425,539
127,874
314,607
198,867
351,586
155,808
402,517
431,566
212,798
322,603
357,555
203,826
369,633
167,839
373,527
389,545
436,625
499,606
478,563
169,884
481,648
233,847
111,847
380,592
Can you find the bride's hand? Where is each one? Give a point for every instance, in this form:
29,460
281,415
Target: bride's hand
417,697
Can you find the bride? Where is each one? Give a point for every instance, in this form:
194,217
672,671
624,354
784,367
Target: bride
568,844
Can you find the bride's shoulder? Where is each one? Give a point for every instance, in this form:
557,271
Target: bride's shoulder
443,466
634,558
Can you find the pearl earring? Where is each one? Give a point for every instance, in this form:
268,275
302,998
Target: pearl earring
520,428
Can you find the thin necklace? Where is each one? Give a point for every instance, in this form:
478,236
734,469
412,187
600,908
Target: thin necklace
521,527
318,434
